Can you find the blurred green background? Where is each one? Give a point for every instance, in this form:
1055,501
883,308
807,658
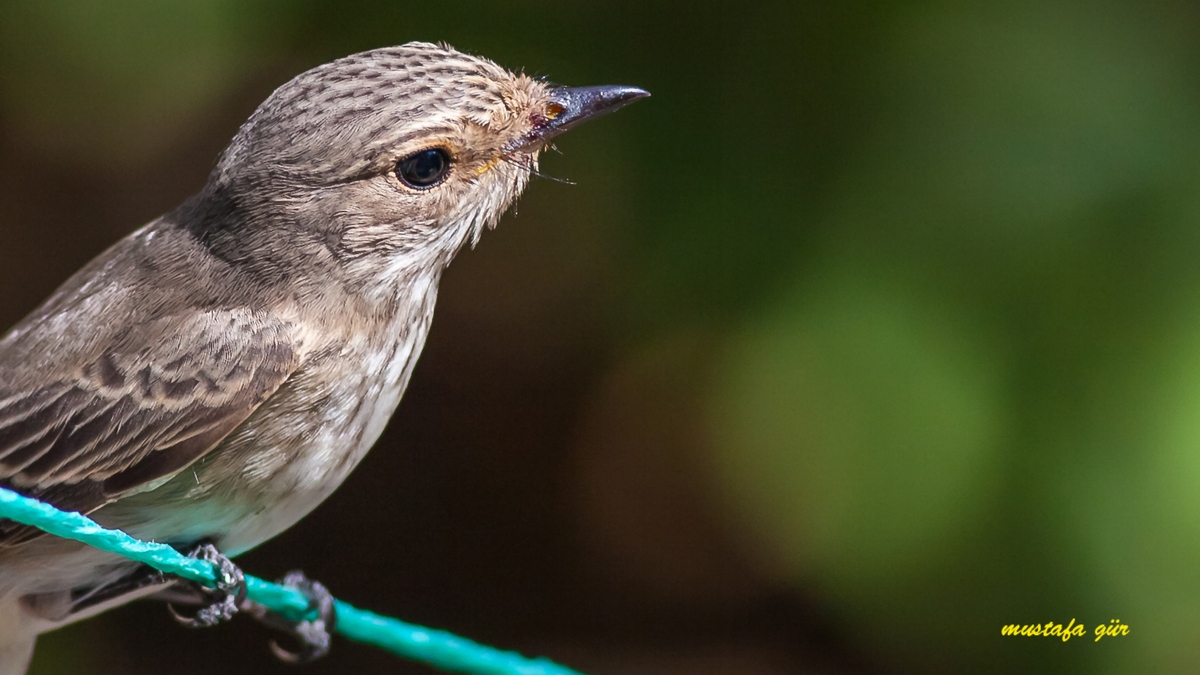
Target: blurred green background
875,329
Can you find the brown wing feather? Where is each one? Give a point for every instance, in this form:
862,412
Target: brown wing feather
142,411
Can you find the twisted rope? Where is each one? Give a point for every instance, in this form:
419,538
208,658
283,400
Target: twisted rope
435,648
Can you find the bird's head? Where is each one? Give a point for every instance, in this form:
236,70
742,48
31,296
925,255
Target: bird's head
392,157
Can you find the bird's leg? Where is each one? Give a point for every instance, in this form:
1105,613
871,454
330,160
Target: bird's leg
229,598
312,634
224,600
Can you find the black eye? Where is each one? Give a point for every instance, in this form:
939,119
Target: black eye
424,169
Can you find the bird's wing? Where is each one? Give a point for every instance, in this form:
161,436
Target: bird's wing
142,410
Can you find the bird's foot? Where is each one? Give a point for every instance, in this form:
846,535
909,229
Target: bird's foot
224,600
313,635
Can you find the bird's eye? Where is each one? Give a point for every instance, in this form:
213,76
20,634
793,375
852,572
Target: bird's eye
424,169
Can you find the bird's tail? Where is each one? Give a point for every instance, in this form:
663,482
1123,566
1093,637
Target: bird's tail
17,635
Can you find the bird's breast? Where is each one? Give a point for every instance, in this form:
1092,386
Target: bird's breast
302,443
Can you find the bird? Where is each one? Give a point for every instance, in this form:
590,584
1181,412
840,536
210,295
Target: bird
212,377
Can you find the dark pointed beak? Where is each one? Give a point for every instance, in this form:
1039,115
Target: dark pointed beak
570,106
580,104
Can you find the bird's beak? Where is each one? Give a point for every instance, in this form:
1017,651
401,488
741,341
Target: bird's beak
569,106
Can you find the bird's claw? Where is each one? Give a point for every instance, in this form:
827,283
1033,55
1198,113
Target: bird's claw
312,634
227,597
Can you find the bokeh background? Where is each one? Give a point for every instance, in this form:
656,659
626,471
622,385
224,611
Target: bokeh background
875,329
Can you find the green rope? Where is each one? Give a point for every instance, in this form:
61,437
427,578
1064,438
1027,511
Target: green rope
436,648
